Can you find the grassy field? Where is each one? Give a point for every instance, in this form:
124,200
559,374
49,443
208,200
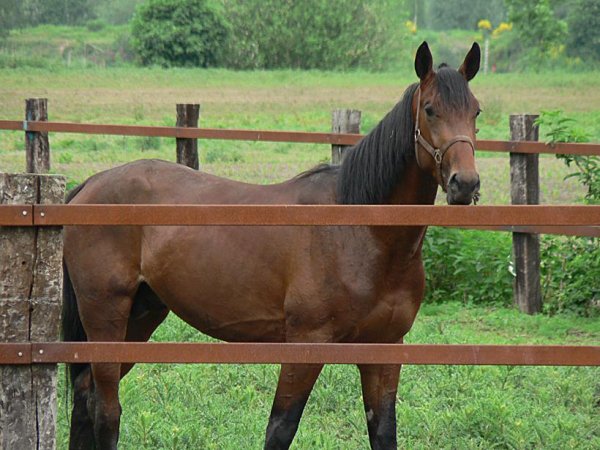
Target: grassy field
278,100
226,407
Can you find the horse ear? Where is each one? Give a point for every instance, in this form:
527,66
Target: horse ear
423,61
470,66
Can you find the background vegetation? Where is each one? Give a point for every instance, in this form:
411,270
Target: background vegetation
339,34
83,56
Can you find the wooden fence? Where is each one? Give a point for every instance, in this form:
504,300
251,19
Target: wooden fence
31,253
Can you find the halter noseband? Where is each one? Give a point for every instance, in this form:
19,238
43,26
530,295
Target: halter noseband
436,153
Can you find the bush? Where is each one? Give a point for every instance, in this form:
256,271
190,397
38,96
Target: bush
560,128
312,34
468,266
570,270
475,267
179,33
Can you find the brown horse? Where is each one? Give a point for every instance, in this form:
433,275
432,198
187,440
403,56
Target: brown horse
275,284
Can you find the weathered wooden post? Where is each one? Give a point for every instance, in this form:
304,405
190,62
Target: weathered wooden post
37,147
525,190
30,308
343,121
187,149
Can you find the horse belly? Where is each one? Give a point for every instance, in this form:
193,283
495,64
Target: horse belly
220,280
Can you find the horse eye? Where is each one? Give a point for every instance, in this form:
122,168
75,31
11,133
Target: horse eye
429,110
478,112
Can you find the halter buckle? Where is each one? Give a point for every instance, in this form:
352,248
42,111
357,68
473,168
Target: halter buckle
437,155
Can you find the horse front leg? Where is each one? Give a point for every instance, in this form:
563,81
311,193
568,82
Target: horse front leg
293,389
379,387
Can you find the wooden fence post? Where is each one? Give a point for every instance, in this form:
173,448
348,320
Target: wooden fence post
37,147
30,308
525,190
188,116
343,121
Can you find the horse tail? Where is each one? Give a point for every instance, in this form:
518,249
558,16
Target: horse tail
72,328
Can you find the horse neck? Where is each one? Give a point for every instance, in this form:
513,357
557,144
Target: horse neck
414,188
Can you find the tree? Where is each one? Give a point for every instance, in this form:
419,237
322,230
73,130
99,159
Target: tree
541,34
10,12
63,12
179,33
313,34
116,11
463,14
584,29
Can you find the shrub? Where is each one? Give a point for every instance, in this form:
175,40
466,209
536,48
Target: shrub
570,270
312,34
468,266
179,33
560,128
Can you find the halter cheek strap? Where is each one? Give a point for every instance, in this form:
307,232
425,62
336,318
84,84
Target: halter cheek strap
436,153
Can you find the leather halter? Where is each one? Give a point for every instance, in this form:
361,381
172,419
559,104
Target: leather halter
436,153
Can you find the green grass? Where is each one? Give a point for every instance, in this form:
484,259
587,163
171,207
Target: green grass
272,100
470,407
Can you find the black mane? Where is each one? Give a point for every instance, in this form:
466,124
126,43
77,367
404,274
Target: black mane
371,169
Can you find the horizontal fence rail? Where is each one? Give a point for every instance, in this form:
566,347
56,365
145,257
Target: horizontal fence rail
305,215
313,353
276,136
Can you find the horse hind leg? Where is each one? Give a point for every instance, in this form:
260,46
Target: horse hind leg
81,436
293,389
147,313
105,323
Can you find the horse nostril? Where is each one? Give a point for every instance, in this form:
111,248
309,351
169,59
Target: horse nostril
457,183
452,182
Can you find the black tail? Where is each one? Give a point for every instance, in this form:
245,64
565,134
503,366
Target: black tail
72,328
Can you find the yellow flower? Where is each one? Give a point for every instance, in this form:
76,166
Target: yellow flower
411,26
502,28
484,24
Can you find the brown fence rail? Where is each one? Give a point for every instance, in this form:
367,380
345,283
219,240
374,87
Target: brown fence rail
313,353
303,215
275,136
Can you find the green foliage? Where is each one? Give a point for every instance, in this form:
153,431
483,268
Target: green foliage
59,12
462,14
570,269
560,128
11,16
468,266
541,34
181,33
117,12
584,29
312,34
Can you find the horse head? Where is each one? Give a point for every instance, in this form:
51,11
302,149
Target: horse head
445,112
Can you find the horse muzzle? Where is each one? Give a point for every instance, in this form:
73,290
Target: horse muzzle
463,188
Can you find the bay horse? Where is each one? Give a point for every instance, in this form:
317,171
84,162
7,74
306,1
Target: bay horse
273,284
